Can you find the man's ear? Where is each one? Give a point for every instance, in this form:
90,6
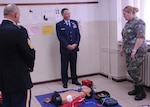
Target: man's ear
15,14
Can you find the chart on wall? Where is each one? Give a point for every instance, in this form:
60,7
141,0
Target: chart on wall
41,20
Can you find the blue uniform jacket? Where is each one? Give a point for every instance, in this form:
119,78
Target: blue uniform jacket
68,35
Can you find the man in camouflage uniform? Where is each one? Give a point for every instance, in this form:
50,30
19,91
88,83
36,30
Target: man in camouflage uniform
134,31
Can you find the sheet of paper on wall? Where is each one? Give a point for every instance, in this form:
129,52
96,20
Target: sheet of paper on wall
24,19
34,30
58,15
48,15
48,30
35,16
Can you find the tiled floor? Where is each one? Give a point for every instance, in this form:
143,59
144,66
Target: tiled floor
117,90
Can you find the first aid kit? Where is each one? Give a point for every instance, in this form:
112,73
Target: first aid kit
87,82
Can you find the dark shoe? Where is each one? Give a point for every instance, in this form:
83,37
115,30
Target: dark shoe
140,96
76,83
133,92
65,85
140,93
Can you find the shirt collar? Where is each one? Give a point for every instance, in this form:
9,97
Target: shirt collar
67,21
10,20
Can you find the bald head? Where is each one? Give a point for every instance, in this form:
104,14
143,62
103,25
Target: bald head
11,11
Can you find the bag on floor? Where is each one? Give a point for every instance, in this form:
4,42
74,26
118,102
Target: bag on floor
100,96
109,102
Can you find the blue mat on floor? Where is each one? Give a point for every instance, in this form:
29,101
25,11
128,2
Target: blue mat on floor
88,102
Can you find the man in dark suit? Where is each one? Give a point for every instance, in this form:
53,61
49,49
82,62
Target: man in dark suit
16,60
69,37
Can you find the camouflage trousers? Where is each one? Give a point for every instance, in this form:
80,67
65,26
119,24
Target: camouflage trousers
134,67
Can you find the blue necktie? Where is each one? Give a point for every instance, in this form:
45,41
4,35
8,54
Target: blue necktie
68,24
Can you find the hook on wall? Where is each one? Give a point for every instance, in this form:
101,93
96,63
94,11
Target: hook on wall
45,18
30,11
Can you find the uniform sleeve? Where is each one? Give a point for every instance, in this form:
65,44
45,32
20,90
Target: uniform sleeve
140,29
27,53
24,31
60,37
78,35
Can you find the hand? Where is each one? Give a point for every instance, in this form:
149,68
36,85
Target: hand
133,55
47,100
121,52
74,46
69,47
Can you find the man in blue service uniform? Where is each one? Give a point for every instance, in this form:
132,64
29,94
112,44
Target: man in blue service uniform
69,37
16,60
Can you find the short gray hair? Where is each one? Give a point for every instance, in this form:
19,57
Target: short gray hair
10,8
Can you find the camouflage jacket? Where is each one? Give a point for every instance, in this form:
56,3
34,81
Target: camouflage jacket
132,30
